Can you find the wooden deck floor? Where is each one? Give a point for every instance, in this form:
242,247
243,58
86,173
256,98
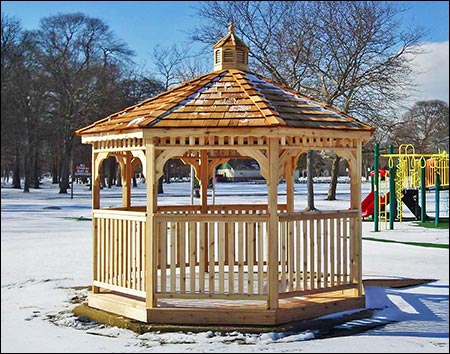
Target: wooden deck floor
228,312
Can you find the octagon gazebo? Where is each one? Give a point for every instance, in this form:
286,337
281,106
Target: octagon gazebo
225,264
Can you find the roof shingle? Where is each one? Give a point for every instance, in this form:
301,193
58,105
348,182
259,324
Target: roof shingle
227,98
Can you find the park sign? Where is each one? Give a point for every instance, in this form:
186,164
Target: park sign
82,170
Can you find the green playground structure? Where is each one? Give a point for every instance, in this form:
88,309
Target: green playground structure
408,174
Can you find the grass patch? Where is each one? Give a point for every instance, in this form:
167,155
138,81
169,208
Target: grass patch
421,244
443,224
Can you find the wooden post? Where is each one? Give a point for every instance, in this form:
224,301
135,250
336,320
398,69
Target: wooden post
95,177
95,181
150,242
204,180
272,228
289,177
355,164
126,180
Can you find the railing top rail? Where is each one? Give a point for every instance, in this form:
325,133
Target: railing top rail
119,214
319,214
212,217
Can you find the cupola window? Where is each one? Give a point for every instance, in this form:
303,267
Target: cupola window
228,56
240,56
218,58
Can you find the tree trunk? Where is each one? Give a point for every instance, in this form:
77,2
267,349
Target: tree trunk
102,175
111,171
167,172
64,184
36,172
27,171
55,174
160,186
119,176
16,174
310,181
334,178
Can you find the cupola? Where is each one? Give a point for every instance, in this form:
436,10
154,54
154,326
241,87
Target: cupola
230,52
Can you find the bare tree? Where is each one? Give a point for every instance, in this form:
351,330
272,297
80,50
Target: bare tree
23,104
174,65
425,126
167,61
11,121
352,56
76,52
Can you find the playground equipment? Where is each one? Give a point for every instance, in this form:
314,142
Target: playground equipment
408,174
368,203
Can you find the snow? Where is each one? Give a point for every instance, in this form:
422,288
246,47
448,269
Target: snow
46,268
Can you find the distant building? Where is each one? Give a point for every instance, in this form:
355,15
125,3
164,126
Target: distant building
238,170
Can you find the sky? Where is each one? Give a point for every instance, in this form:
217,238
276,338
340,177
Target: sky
146,24
43,270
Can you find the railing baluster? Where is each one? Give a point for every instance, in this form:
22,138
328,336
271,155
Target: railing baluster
240,257
260,258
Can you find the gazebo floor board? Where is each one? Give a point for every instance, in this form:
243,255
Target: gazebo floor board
227,312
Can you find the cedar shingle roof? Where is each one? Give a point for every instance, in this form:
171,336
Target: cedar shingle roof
228,98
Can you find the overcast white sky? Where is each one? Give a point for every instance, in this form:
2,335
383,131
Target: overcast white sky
432,71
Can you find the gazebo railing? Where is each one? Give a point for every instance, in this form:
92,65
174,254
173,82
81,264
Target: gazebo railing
224,255
119,250
213,256
317,251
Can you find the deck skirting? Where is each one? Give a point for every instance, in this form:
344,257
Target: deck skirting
225,312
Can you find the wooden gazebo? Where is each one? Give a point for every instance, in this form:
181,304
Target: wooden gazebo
234,264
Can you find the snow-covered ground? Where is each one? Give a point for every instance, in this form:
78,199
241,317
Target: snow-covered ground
46,266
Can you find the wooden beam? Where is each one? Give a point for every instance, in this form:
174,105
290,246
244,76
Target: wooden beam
204,180
354,159
272,246
124,160
289,168
150,242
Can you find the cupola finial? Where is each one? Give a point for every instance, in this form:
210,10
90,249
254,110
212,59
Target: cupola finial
231,27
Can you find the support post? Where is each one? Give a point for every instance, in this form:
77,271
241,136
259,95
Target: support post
126,179
355,163
423,202
192,184
204,180
376,197
150,237
272,228
437,185
95,182
392,200
289,177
